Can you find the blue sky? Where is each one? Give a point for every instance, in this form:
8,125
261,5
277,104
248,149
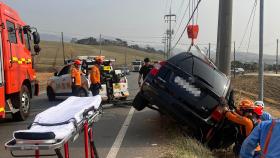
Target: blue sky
142,20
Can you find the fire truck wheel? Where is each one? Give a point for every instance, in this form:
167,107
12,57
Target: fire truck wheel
50,94
21,102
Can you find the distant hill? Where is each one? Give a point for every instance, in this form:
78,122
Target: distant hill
51,56
52,37
244,57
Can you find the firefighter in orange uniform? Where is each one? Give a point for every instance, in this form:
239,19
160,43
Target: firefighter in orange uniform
247,117
95,77
76,78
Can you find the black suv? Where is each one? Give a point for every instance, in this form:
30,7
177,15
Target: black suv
189,88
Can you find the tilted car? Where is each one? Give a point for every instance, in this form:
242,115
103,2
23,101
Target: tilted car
189,87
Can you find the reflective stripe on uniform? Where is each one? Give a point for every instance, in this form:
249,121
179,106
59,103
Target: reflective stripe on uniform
268,137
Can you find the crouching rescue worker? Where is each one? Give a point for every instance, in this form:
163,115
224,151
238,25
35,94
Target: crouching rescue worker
95,77
247,116
267,134
76,78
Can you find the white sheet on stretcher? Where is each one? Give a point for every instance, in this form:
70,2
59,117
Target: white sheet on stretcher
73,107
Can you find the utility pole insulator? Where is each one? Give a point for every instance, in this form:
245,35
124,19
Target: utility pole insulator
169,18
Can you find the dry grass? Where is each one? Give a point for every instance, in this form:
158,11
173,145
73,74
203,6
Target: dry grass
181,146
51,55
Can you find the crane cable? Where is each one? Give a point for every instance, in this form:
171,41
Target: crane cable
249,41
190,19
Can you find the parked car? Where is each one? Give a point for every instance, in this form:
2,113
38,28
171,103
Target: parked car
189,87
238,71
124,69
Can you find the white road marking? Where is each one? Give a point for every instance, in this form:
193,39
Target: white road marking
118,141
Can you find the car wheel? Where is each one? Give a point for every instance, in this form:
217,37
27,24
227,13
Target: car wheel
139,102
21,102
83,93
50,94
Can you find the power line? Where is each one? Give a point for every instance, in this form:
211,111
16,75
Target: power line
249,41
187,24
247,26
182,20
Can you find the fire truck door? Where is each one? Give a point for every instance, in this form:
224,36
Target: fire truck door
2,83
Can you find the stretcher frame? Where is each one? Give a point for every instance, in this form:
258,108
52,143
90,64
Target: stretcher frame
85,125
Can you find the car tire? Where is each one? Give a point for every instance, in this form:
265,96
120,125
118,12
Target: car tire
82,93
139,102
50,94
21,102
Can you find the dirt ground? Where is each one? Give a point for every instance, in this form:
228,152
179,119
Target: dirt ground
42,77
247,87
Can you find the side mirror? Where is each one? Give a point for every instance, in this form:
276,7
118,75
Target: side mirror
37,49
36,37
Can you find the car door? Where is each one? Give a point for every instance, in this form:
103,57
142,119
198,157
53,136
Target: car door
62,79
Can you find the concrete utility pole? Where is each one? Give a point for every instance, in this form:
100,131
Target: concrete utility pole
100,44
261,67
234,64
125,58
63,51
169,18
224,36
277,50
164,41
209,49
219,34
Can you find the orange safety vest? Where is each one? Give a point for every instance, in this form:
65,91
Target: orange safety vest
75,73
241,120
95,75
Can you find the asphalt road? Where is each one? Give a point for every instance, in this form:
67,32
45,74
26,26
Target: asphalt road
142,139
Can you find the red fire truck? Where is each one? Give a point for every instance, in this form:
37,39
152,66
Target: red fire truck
17,75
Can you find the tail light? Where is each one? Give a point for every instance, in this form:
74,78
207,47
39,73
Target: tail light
156,68
218,113
122,80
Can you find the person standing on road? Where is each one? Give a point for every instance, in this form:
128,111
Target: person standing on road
145,69
267,135
76,78
265,116
95,77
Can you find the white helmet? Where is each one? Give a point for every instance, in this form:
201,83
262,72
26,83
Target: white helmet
259,103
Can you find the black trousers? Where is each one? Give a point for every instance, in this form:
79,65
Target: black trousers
95,89
75,90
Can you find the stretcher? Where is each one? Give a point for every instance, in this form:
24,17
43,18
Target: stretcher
55,127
